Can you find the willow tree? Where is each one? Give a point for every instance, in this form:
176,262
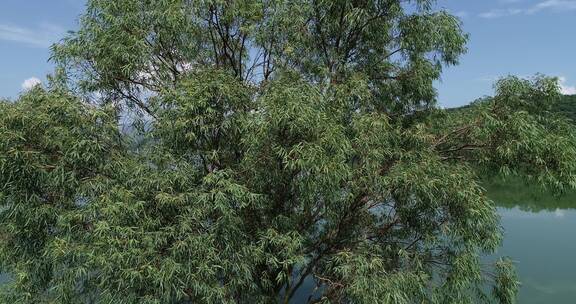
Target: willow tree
292,152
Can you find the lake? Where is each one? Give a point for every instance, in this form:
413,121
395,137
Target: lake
540,237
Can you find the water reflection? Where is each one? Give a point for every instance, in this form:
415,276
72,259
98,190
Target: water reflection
511,193
540,236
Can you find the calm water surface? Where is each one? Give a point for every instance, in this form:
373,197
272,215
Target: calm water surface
543,245
540,237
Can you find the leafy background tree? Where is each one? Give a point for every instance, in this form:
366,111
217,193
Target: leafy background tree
280,150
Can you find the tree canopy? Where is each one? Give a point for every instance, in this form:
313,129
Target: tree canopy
281,151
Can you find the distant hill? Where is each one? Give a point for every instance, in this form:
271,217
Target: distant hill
567,106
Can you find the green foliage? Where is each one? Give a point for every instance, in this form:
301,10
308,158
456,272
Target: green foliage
51,145
566,106
518,131
286,144
202,116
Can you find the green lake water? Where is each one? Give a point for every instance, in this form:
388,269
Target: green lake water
540,237
543,246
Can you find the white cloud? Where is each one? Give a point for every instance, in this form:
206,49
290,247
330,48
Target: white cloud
30,83
510,1
497,13
553,5
41,36
565,88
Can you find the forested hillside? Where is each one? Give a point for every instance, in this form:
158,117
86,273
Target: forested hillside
567,106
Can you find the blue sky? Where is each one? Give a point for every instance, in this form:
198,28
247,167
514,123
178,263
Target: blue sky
507,37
